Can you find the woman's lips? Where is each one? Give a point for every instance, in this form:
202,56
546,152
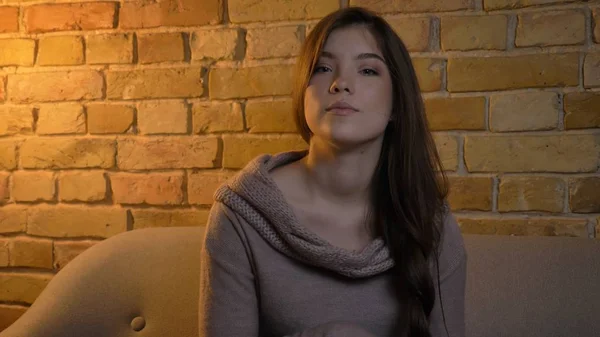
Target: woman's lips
341,111
341,108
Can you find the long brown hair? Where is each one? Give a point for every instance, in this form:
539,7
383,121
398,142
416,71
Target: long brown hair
409,187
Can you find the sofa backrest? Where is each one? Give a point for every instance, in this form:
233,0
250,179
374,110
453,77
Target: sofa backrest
532,286
141,283
144,283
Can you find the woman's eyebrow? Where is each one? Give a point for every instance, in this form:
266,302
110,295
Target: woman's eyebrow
361,56
370,56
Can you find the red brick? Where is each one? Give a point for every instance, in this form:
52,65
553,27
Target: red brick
13,219
33,186
109,48
202,185
167,153
10,21
42,87
152,189
4,254
582,110
162,117
524,111
209,117
25,288
279,10
65,118
85,186
429,73
541,194
9,313
109,118
532,153
456,113
591,70
29,252
414,32
146,14
155,83
62,153
17,52
525,226
447,146
584,195
66,251
273,42
550,29
160,47
60,50
226,83
270,116
413,6
2,86
238,150
75,16
146,218
62,221
470,193
4,188
513,72
15,120
507,4
8,154
474,32
217,44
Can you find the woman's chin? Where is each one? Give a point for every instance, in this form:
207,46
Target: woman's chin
347,136
347,141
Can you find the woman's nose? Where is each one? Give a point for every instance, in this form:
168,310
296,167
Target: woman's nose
340,84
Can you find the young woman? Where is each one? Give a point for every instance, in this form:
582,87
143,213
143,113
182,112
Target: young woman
352,237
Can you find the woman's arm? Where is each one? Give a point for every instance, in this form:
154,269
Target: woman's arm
453,274
228,303
453,297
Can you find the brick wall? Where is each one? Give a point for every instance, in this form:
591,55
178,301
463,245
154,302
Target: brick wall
123,115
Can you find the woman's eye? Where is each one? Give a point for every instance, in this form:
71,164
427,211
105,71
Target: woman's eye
321,69
369,72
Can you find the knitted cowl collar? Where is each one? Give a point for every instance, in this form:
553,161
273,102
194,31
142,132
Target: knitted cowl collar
254,196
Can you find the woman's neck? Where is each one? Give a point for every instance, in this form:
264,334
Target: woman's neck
341,176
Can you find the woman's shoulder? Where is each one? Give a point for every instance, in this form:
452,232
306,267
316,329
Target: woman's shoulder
221,221
226,234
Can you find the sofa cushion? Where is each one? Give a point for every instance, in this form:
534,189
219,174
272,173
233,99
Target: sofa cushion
532,286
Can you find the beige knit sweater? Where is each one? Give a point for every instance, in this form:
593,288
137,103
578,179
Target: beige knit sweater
263,274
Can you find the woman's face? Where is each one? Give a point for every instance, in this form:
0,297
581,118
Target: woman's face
348,100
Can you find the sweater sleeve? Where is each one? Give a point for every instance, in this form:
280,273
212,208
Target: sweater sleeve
452,276
228,304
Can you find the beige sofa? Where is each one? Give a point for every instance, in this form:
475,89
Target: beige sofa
145,283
